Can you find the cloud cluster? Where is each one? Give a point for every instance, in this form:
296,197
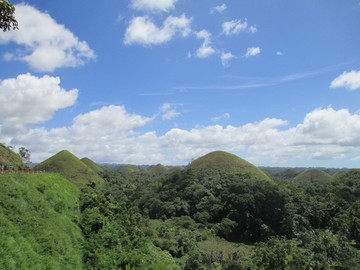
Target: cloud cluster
111,134
143,31
349,80
47,44
28,99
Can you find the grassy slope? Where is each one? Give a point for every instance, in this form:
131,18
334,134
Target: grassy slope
312,174
71,167
38,216
8,157
226,162
92,165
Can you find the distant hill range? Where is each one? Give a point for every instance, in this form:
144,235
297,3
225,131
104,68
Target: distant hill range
224,162
71,167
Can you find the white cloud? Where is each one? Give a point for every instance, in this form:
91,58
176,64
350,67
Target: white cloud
48,45
168,111
219,9
153,5
143,31
221,117
226,57
236,26
111,134
279,53
28,99
252,51
205,49
349,80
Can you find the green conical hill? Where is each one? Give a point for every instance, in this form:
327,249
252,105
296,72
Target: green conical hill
229,163
157,169
71,167
312,174
92,165
9,158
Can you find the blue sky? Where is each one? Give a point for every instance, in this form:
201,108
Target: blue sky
166,81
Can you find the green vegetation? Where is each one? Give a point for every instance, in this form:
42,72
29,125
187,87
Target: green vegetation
92,165
9,158
312,175
70,167
217,213
7,18
220,161
38,222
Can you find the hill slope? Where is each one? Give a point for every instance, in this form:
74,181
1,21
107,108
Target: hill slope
92,165
38,227
70,167
229,163
9,158
312,175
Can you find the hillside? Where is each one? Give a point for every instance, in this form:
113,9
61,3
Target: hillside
312,175
229,163
70,167
38,222
9,158
92,165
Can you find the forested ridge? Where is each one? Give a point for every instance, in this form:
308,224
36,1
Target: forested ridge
181,218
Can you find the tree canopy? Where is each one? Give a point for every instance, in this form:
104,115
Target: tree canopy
7,19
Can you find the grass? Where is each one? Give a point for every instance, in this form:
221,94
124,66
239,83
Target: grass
226,162
38,222
71,167
92,165
312,174
8,157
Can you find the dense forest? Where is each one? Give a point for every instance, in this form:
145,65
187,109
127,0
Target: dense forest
219,212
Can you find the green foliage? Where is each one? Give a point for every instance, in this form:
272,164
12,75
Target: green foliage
70,167
114,238
38,222
7,18
9,158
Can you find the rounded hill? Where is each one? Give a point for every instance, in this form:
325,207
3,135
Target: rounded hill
71,167
312,175
220,161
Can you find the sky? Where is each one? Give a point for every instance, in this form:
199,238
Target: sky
166,81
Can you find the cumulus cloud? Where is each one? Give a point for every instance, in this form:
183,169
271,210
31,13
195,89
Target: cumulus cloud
226,57
111,134
143,31
48,45
252,51
28,99
236,26
349,80
205,49
218,9
153,5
